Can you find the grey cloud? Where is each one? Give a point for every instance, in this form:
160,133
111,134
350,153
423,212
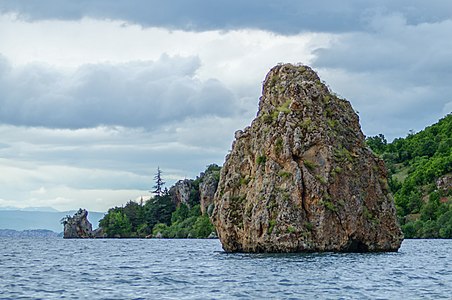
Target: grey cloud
393,45
180,149
137,94
397,75
285,16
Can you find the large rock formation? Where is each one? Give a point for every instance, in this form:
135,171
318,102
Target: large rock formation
77,226
301,178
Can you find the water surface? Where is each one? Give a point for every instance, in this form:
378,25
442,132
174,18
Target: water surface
198,269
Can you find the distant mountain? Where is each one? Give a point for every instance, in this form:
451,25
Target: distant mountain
37,233
49,220
40,208
46,209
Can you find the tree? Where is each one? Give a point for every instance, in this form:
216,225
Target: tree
135,213
159,210
116,223
202,227
377,143
180,214
159,183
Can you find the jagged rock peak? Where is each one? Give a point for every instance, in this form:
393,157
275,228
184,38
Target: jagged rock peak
77,226
300,178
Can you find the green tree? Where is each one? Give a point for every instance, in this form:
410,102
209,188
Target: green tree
144,230
180,214
116,223
202,227
159,183
159,210
445,224
135,213
416,162
159,216
377,143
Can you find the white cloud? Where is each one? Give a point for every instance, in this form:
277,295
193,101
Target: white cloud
67,187
223,53
41,166
130,76
64,198
41,191
178,97
91,107
136,94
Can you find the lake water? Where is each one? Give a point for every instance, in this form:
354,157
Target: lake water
199,269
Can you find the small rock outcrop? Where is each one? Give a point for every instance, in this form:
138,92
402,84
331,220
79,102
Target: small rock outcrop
200,191
77,226
301,178
444,184
180,192
99,233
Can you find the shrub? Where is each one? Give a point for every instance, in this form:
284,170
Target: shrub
284,174
310,165
290,229
261,159
278,145
271,226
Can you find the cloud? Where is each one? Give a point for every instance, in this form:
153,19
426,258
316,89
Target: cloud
96,94
124,157
42,190
136,94
286,17
212,73
191,102
44,166
397,74
64,198
392,44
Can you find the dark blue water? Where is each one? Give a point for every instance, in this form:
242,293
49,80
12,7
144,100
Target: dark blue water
199,269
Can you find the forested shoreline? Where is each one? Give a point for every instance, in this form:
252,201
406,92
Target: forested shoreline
420,170
164,215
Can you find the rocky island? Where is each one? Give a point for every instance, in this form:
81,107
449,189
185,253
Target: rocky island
78,226
301,177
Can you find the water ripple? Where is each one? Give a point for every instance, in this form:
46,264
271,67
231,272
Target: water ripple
199,269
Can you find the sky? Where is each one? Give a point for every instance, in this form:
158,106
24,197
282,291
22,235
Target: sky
96,94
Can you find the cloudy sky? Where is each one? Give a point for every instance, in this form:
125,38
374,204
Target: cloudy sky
95,94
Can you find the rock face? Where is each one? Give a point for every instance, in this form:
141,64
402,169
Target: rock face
200,191
207,188
78,226
301,178
444,183
180,192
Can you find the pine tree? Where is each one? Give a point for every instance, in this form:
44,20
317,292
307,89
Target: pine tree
159,183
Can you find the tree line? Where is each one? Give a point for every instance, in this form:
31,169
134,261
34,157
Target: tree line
160,216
